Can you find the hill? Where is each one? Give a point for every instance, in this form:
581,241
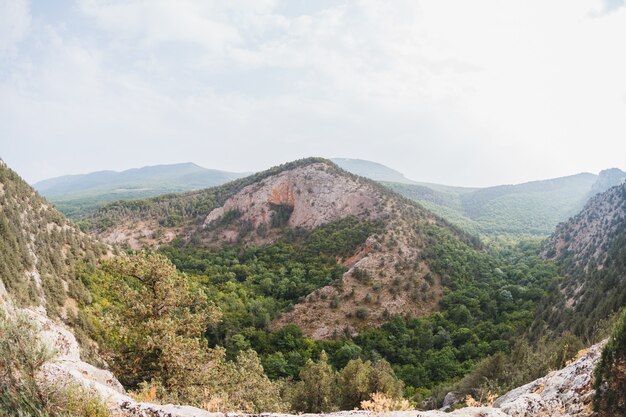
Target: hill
532,208
380,237
42,258
38,248
76,195
590,249
371,170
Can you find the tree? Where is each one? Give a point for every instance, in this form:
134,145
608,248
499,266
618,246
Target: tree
316,392
154,330
358,380
156,323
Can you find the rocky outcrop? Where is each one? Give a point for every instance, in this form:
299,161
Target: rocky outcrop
67,364
316,194
566,392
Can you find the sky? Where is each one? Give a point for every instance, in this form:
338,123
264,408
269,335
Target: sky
471,93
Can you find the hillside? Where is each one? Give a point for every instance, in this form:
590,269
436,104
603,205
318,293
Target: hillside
307,257
590,249
302,198
39,249
76,195
42,258
532,208
372,170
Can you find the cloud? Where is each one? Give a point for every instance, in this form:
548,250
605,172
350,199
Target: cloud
494,92
610,6
15,22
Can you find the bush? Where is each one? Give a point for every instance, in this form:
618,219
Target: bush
362,313
21,358
610,381
316,392
359,379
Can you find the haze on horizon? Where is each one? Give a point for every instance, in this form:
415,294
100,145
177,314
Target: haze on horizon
462,93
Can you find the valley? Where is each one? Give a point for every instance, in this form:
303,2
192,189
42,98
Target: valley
309,274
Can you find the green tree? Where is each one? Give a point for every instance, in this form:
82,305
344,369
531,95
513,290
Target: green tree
359,379
316,392
154,330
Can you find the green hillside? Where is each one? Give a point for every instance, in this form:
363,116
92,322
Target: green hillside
532,208
76,195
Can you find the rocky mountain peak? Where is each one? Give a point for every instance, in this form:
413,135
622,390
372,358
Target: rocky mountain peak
305,197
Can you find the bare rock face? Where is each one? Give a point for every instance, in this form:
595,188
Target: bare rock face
566,392
67,364
315,193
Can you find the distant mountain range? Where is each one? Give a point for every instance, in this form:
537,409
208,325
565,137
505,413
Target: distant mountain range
532,208
372,170
79,194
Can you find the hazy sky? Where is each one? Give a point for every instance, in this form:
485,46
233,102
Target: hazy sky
459,92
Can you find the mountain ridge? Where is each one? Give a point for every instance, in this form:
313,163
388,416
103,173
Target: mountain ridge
590,249
299,197
79,194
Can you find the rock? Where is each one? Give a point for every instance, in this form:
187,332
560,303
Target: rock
450,399
566,392
317,196
67,364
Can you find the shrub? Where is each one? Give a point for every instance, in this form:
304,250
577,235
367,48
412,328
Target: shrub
362,313
316,392
359,379
380,403
609,382
21,356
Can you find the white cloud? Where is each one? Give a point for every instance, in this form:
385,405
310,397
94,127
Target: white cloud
14,23
466,93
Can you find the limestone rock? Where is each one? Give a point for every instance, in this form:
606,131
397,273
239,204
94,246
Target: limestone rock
566,392
314,193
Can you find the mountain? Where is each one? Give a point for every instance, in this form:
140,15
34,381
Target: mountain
388,264
532,208
606,179
371,170
76,195
591,251
38,248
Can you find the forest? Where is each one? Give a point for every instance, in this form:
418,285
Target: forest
225,299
